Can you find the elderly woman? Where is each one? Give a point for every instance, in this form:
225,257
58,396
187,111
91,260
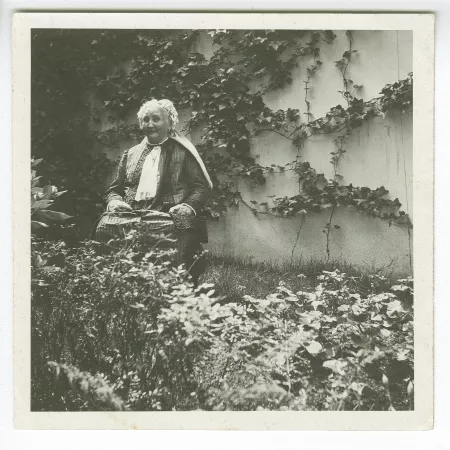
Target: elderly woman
162,183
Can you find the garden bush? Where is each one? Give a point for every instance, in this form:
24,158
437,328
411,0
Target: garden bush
122,329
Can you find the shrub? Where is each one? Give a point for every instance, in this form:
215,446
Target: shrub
41,199
112,312
127,330
86,389
330,349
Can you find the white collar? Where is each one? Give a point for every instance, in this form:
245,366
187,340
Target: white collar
146,141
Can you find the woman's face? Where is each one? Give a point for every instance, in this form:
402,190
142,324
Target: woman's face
155,124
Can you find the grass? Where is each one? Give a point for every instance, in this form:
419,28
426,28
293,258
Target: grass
235,277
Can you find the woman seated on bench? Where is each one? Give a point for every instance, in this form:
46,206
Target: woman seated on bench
162,174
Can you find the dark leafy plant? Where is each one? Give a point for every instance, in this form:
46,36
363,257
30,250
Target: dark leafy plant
109,311
88,391
41,199
150,341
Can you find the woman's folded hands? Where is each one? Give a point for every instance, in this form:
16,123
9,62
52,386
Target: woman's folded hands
183,209
118,205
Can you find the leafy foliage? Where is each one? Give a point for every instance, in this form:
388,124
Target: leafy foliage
329,349
63,69
41,199
120,328
319,193
103,311
85,389
152,342
79,76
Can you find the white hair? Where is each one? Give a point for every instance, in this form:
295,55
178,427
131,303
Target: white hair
166,105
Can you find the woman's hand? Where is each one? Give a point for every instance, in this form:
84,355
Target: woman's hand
118,205
183,210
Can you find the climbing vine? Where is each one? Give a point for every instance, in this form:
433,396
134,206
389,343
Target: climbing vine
318,193
78,76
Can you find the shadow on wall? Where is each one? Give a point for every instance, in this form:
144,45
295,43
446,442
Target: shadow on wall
378,154
364,241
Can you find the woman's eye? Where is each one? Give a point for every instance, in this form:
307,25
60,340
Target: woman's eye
146,119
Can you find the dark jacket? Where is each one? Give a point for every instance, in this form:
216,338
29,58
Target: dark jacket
182,180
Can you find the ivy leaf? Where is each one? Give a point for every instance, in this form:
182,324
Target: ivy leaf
48,190
36,190
359,318
52,215
397,307
35,181
385,333
336,366
359,388
58,194
315,304
41,204
35,225
314,348
35,162
40,283
360,341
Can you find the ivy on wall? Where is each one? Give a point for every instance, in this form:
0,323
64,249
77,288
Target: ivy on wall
79,75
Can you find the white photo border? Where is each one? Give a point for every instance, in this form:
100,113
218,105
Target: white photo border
421,418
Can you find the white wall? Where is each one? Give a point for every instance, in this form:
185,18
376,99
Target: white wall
378,153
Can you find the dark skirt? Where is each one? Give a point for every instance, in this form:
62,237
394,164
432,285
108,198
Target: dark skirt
158,230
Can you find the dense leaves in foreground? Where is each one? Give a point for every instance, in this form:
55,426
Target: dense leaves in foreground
124,330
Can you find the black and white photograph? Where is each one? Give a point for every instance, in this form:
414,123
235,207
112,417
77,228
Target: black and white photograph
223,219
